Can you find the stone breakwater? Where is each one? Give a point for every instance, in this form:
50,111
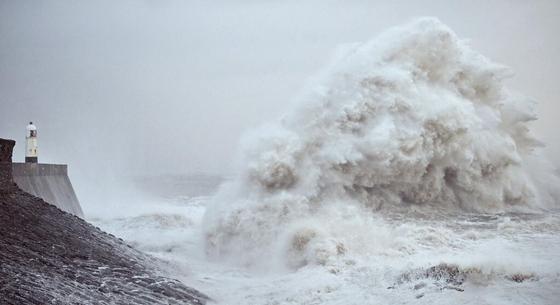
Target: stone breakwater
49,256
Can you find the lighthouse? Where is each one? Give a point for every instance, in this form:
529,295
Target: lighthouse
31,144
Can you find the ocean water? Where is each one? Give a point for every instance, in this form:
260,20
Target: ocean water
490,250
406,173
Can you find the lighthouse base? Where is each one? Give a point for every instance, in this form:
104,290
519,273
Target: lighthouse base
49,182
31,160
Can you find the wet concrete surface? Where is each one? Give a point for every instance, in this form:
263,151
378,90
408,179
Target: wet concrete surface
48,256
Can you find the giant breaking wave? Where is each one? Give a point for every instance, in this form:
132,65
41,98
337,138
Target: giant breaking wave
414,118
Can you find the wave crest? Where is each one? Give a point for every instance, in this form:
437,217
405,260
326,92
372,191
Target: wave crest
413,117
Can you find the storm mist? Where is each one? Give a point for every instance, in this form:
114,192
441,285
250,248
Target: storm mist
134,88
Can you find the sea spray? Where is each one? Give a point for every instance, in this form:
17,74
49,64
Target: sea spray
411,119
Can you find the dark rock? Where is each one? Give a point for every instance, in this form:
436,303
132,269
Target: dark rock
442,273
446,272
521,277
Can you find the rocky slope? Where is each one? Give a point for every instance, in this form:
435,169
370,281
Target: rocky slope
48,256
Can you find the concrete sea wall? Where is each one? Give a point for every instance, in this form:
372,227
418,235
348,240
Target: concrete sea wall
49,182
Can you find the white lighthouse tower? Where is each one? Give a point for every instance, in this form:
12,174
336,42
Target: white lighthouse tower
31,144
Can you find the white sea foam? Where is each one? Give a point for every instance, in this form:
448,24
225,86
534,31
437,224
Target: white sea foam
406,174
413,120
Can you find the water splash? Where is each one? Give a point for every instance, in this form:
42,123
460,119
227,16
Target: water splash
413,118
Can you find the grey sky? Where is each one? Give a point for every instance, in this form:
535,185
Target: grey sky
135,87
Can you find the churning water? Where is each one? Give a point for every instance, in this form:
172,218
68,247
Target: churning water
407,173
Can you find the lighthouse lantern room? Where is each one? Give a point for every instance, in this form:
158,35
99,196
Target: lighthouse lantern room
31,144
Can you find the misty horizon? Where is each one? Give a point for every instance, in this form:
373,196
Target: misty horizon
171,87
